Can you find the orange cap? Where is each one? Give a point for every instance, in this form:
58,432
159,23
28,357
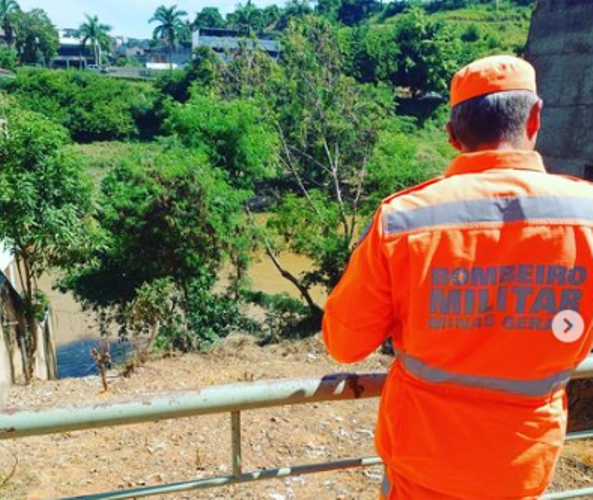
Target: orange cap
492,74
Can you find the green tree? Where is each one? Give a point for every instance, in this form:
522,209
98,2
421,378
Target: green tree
171,24
37,38
348,12
429,52
328,126
168,221
9,58
329,8
46,204
294,9
247,19
90,106
250,74
234,136
271,15
396,162
201,72
8,9
374,56
97,33
209,17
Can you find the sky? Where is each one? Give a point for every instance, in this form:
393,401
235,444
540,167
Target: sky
127,17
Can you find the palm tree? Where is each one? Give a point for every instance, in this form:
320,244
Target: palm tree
171,24
8,9
247,19
97,33
271,15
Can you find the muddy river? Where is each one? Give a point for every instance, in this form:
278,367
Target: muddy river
72,324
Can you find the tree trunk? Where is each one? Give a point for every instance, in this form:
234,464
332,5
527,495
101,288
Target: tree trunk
29,339
154,332
316,311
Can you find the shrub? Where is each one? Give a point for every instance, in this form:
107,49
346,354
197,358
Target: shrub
169,221
92,107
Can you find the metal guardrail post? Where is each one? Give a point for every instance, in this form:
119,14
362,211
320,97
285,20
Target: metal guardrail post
584,370
573,436
563,495
236,443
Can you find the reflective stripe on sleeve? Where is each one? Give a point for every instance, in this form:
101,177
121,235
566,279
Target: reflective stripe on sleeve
508,209
533,388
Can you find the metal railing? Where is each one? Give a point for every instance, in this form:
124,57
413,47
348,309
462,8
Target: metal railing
231,399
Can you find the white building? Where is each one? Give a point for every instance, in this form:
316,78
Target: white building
227,42
71,54
7,264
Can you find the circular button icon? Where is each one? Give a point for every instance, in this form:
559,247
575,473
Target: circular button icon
568,326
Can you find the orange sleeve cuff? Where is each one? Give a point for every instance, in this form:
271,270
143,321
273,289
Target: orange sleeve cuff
343,343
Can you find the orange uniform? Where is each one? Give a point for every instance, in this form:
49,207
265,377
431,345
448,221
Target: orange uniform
466,274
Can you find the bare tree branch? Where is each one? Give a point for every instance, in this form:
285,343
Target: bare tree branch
288,163
358,194
304,291
336,181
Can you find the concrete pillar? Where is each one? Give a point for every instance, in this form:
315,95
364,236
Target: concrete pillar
560,46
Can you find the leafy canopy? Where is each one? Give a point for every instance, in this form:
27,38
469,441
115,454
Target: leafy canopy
91,106
234,135
170,23
169,222
37,38
45,199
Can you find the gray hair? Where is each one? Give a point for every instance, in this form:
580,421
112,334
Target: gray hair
497,117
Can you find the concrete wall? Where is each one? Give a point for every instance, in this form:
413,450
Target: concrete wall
5,369
11,330
560,46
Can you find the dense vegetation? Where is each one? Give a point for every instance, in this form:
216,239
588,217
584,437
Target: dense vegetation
90,108
352,111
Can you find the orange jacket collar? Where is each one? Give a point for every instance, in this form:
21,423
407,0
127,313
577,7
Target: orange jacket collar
471,163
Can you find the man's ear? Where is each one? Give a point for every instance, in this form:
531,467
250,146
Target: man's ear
535,120
453,138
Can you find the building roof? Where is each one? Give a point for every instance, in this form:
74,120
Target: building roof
223,40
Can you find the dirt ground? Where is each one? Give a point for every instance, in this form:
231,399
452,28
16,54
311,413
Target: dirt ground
88,462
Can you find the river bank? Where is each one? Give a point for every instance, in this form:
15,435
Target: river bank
177,450
72,324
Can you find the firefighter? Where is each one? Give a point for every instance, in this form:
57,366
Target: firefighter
483,280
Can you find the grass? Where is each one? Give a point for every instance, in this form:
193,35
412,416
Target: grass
100,157
505,30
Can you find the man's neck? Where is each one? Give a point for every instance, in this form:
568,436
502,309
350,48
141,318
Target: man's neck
495,146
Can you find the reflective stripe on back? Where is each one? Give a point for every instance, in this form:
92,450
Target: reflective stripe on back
533,388
508,209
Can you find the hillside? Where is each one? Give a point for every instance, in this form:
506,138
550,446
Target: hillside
503,30
506,29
